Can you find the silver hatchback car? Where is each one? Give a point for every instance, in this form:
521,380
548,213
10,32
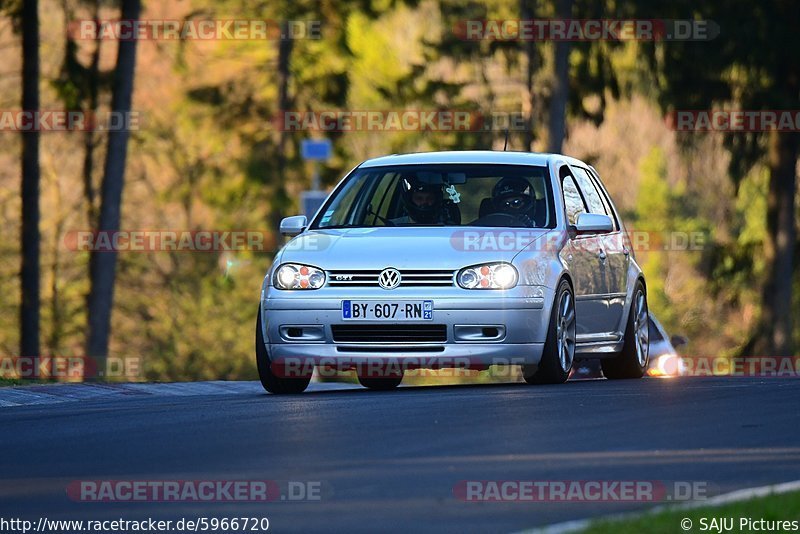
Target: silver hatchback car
455,260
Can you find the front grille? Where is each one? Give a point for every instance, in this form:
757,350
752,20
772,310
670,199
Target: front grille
389,333
409,278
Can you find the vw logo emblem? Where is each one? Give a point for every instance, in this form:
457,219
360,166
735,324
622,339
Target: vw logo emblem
389,278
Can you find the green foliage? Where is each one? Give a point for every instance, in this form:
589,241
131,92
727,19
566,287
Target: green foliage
655,213
671,221
210,157
750,65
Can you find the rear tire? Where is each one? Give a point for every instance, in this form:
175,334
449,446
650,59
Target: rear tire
381,383
269,380
558,354
632,361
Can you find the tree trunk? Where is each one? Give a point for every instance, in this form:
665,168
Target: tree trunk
779,244
527,12
557,118
102,264
56,309
280,198
29,273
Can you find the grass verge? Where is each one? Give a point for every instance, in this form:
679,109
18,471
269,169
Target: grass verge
771,508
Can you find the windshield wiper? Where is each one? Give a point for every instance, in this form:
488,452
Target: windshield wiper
346,226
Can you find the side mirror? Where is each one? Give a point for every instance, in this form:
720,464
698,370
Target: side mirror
293,225
678,341
593,223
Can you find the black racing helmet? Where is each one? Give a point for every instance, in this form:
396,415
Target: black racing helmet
513,195
422,201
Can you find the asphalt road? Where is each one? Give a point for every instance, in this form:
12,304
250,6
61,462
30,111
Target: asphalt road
389,461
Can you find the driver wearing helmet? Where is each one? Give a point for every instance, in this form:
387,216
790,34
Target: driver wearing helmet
422,201
514,196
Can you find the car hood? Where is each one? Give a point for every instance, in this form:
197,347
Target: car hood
407,248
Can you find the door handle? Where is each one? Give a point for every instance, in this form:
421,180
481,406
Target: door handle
626,251
602,255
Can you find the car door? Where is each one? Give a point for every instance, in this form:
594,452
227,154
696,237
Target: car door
582,254
614,260
619,246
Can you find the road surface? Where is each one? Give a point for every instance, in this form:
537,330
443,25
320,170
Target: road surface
390,461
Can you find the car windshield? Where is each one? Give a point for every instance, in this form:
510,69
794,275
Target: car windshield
442,195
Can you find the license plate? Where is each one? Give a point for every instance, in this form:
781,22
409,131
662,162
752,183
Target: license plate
387,310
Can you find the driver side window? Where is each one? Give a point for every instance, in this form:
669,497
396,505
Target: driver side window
572,197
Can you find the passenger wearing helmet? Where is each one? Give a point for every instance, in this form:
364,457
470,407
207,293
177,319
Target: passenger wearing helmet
514,196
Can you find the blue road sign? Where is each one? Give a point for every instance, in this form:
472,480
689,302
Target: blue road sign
316,149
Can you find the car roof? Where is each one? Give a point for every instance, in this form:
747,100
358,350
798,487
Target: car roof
468,156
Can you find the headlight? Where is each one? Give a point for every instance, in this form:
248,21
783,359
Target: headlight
296,276
488,276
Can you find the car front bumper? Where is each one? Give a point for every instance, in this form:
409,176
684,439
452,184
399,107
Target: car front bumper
482,328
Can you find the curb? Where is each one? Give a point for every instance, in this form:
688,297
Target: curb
46,394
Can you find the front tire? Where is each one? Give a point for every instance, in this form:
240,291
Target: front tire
632,361
269,380
558,354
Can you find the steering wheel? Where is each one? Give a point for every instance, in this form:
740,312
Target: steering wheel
386,222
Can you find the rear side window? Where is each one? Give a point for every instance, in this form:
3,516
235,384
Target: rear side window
590,192
572,199
604,196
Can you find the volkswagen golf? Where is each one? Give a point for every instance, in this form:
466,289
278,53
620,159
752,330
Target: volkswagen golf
455,260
